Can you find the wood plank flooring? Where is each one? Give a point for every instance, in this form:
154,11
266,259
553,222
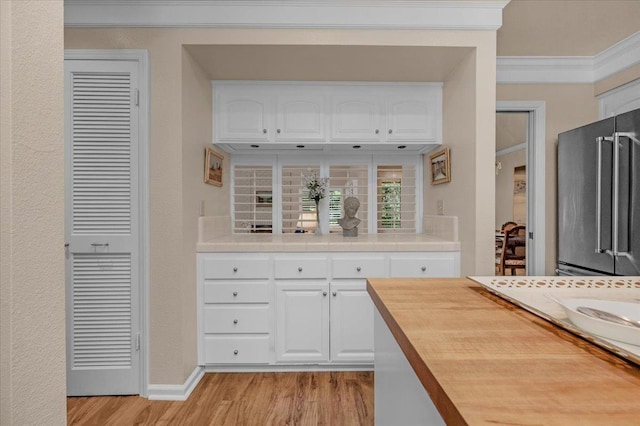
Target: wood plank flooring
309,398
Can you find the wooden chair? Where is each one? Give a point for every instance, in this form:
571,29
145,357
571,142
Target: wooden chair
513,254
500,243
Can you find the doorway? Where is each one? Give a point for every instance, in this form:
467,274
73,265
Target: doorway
520,132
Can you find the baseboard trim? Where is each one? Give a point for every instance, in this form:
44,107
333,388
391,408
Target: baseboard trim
176,392
285,368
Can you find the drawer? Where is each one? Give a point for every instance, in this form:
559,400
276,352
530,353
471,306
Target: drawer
432,266
236,349
236,268
217,292
234,319
358,267
301,268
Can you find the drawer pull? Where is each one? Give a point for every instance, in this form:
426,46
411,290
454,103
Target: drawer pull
235,321
299,268
335,294
235,352
424,268
358,269
324,293
235,293
235,269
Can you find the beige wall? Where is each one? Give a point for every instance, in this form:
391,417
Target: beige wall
567,106
32,335
178,128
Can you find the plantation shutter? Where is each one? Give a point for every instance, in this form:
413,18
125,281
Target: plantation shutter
348,181
396,198
298,210
102,227
252,199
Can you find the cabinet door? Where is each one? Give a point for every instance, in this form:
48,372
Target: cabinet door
241,113
351,323
300,115
302,323
413,115
355,117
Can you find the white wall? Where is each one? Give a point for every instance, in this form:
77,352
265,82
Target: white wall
32,289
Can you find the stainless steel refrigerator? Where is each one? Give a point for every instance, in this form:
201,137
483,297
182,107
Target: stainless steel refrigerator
599,198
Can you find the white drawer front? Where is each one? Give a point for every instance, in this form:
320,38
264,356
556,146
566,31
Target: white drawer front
301,268
217,292
233,319
358,267
240,268
440,266
227,349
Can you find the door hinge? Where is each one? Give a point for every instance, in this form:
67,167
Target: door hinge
531,235
137,97
137,341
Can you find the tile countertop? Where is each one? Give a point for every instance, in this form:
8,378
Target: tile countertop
327,243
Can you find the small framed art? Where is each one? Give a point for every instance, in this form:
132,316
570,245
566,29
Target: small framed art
440,167
213,167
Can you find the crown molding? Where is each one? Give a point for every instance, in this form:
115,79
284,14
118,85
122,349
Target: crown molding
569,69
383,14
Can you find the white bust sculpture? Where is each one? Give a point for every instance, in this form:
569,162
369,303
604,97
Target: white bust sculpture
350,222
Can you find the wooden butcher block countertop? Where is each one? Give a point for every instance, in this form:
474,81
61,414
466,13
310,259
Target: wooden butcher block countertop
484,361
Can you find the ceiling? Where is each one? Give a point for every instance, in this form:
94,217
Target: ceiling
511,129
565,27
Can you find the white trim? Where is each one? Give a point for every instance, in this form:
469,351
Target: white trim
291,368
511,149
450,15
177,392
569,69
619,100
536,176
142,57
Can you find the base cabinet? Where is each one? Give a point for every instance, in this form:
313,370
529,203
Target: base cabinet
281,309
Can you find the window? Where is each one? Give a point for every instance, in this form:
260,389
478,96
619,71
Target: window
396,198
252,199
298,210
348,181
272,197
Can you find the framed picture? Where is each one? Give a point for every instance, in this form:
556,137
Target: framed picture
264,198
213,167
440,167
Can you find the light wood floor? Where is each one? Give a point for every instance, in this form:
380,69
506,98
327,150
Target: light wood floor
314,398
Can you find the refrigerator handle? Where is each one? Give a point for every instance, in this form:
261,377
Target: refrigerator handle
599,142
616,188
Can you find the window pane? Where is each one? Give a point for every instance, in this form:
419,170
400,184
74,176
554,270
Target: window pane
252,199
396,199
298,210
348,181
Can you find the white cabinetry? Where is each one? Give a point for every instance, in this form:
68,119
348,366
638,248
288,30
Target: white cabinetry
298,308
294,113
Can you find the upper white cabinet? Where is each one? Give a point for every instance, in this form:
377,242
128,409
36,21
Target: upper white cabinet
327,113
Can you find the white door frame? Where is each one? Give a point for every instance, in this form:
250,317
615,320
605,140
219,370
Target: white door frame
536,193
140,56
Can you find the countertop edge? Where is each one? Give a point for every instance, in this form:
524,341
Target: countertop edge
446,407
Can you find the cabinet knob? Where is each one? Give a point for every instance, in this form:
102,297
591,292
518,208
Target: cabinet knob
358,269
235,352
390,131
264,131
335,294
377,131
235,321
324,293
235,269
235,293
278,131
424,268
299,268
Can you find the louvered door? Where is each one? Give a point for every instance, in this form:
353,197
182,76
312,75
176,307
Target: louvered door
102,207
